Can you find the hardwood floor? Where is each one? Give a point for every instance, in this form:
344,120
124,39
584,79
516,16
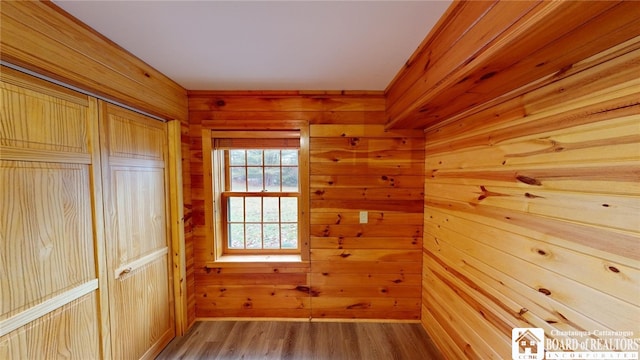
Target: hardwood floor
301,341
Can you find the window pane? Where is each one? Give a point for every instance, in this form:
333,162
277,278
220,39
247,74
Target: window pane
289,179
236,236
236,157
254,157
272,178
272,157
253,209
289,157
271,236
270,209
238,179
255,178
266,221
289,209
289,236
254,236
235,209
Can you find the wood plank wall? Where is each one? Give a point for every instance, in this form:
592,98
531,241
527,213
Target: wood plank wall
481,50
356,270
43,38
190,279
532,212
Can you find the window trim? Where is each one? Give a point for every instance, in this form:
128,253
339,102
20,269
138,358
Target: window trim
214,186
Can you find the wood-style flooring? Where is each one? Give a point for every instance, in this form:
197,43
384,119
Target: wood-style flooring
301,341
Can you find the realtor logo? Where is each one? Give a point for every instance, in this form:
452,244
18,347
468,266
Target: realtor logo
527,344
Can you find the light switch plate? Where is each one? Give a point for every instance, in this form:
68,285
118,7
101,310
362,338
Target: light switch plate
364,217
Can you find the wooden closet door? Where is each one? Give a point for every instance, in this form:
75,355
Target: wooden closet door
134,155
52,267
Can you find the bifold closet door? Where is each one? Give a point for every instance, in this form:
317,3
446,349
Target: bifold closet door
134,155
51,245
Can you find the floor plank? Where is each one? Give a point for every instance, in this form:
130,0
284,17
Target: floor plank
302,341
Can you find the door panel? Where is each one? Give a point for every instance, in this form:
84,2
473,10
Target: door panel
142,308
43,117
133,136
51,244
135,200
70,331
47,232
141,218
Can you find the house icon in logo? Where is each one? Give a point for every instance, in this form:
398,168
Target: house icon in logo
527,343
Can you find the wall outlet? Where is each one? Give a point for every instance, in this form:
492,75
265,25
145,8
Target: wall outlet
364,217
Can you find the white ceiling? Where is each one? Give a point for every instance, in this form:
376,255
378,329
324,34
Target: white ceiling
267,45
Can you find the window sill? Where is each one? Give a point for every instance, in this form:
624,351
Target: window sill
258,259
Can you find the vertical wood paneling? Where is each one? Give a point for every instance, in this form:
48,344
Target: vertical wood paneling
187,219
531,218
177,225
356,270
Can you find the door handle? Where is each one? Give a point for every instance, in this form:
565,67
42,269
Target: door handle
124,272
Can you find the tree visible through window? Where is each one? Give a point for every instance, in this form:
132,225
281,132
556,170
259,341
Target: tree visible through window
257,192
260,200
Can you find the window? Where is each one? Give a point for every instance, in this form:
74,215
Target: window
259,191
260,201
